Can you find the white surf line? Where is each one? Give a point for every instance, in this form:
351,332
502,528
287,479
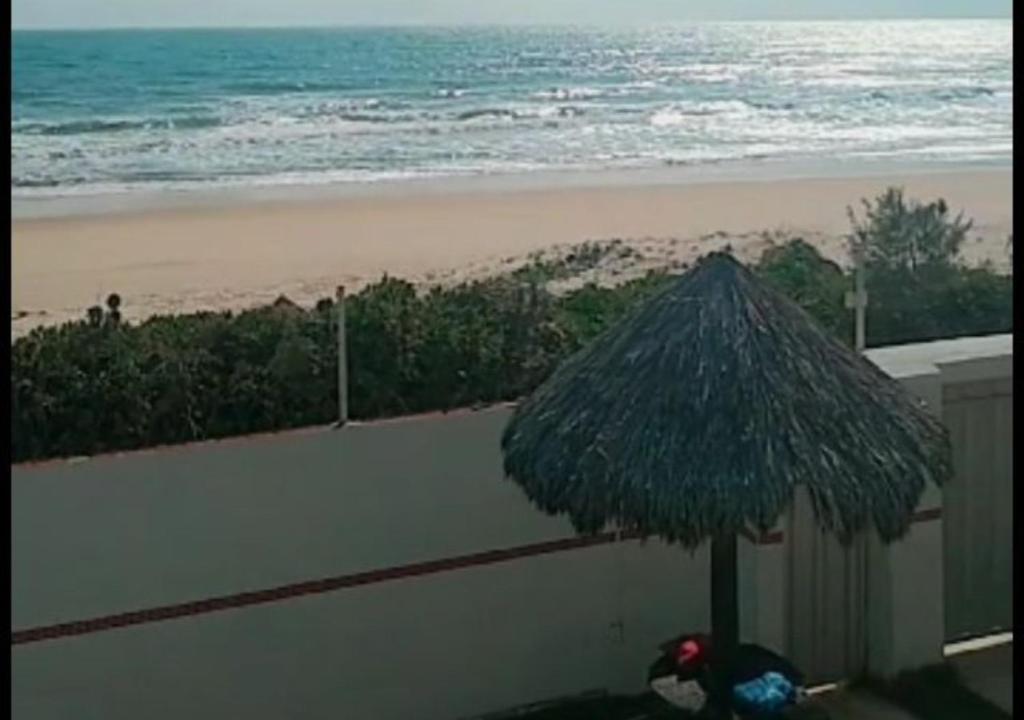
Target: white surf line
975,644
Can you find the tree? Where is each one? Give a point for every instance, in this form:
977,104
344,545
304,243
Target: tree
917,286
899,235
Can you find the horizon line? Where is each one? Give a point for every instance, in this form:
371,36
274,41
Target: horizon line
504,24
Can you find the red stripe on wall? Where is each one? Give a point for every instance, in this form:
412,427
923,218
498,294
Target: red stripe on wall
312,587
326,585
927,515
769,538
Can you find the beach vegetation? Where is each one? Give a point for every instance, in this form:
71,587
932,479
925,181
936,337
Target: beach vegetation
817,284
104,384
900,234
918,286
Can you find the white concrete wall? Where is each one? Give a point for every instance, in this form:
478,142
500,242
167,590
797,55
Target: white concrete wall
124,533
906,581
149,529
880,608
978,509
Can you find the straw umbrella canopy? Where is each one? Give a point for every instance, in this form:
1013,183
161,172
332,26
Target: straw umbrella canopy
698,415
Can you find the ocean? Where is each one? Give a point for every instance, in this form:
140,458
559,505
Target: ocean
115,111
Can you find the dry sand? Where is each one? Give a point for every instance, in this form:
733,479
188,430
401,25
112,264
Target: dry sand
244,254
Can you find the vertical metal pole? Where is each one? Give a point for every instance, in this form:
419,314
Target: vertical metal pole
342,360
725,620
860,303
858,299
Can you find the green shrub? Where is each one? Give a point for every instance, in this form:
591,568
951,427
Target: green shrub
818,285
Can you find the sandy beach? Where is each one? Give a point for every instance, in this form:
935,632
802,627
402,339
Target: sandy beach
239,254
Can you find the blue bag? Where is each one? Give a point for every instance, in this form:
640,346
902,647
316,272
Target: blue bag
765,695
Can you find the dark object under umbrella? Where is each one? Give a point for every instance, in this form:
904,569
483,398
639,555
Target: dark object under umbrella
698,415
682,673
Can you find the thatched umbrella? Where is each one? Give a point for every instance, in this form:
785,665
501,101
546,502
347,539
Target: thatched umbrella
698,415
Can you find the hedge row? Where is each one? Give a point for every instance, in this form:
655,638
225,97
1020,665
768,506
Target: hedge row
100,385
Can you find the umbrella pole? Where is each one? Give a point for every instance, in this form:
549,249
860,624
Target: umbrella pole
724,617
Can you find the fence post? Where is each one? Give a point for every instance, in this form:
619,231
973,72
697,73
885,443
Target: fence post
342,360
858,300
860,339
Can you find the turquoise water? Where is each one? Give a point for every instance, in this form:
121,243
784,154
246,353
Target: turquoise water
96,112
